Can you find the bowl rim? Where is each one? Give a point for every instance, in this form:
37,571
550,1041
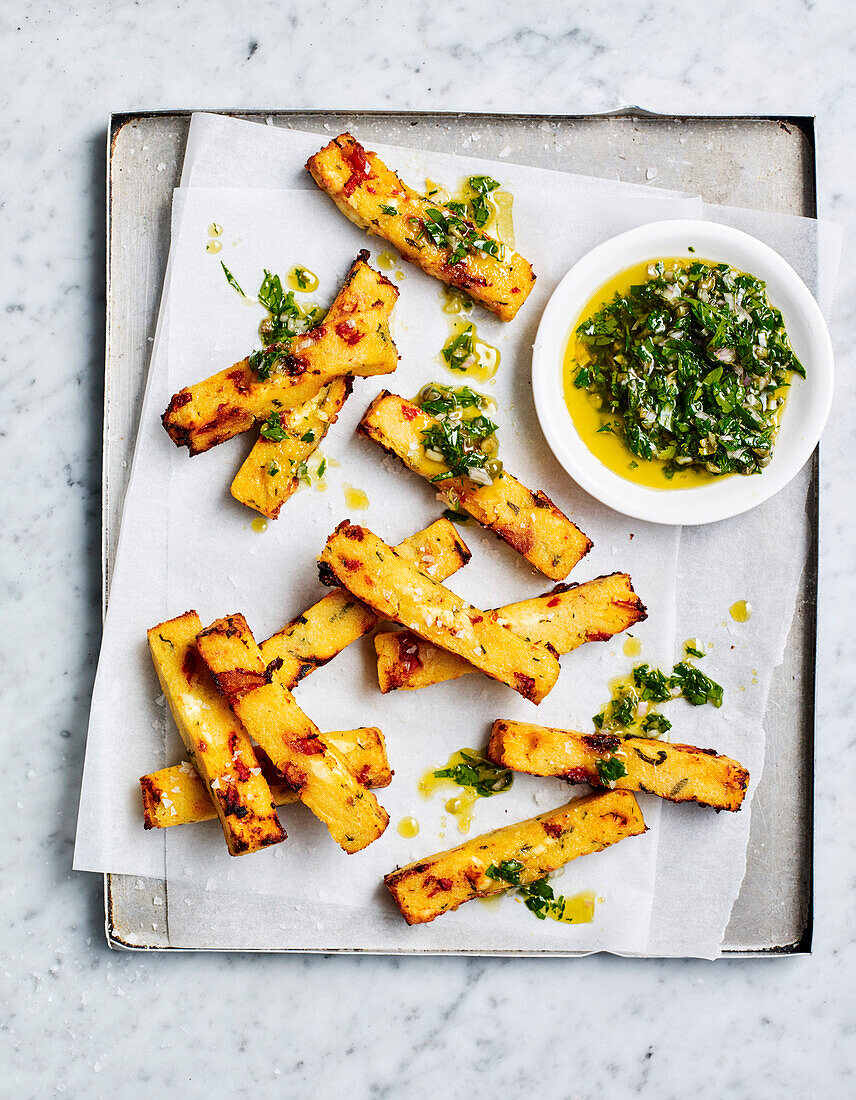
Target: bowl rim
713,501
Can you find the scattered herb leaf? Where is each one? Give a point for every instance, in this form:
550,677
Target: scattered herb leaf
232,281
610,769
465,444
273,430
478,774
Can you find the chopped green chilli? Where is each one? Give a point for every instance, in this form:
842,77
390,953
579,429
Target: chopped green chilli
479,774
462,438
695,362
390,210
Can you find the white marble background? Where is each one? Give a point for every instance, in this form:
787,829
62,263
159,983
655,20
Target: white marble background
78,1019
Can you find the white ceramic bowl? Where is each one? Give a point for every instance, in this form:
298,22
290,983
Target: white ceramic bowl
806,409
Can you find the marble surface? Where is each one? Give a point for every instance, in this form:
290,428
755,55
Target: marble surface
79,1019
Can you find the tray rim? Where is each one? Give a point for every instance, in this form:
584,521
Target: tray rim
806,124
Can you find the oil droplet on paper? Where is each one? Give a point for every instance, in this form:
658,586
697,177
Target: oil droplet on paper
259,525
741,612
461,808
632,646
215,230
302,280
213,247
355,498
578,909
408,827
386,261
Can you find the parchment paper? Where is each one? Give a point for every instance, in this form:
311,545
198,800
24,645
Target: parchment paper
185,542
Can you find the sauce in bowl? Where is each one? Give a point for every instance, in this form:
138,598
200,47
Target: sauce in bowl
675,373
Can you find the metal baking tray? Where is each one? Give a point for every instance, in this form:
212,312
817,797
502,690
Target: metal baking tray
757,162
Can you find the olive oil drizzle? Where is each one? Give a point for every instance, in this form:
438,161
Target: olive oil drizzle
741,612
465,352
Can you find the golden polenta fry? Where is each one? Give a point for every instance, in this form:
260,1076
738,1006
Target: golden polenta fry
270,714
679,773
270,472
224,757
430,234
178,795
354,338
437,884
566,617
356,558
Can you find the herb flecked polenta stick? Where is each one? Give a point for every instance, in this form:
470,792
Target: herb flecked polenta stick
331,624
567,617
354,338
679,773
529,522
434,236
297,748
271,471
437,884
221,751
178,796
364,564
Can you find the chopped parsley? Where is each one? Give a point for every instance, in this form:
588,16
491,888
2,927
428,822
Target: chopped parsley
302,277
610,769
653,685
462,438
285,320
273,469
694,361
482,187
308,437
538,896
273,430
479,774
447,229
695,687
507,870
459,351
656,723
646,685
231,280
